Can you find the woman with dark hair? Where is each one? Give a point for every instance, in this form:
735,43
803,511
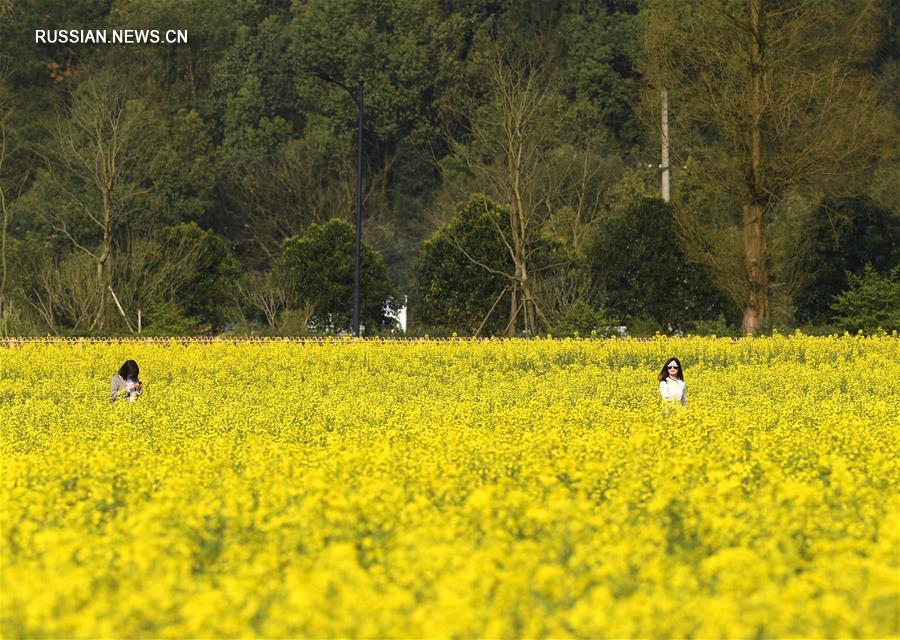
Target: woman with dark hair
126,383
671,382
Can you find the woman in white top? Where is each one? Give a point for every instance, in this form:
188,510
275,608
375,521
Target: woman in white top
671,382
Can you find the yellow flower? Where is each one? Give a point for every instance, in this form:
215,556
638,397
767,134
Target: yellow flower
515,488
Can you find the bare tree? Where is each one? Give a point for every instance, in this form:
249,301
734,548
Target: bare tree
97,143
63,292
767,96
512,155
280,196
307,181
586,179
150,275
263,293
5,115
563,288
10,189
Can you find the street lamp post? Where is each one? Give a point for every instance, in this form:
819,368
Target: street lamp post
358,98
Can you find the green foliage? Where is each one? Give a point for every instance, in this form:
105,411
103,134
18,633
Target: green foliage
635,184
231,132
305,180
250,132
871,302
591,44
601,40
166,317
844,235
716,327
752,106
213,271
182,172
14,323
584,321
636,260
252,93
319,268
31,63
43,196
459,272
181,278
403,51
182,73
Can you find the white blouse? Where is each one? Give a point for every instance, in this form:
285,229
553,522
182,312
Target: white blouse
672,389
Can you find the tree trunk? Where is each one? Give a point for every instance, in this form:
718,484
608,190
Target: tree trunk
518,256
754,237
753,230
104,279
102,269
528,299
513,309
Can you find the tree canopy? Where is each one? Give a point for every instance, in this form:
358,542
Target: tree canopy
552,111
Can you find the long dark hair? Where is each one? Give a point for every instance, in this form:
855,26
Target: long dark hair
129,370
665,370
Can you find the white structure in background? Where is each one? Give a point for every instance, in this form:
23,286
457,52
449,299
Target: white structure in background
399,316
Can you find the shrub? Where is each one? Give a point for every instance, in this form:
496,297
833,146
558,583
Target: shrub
871,302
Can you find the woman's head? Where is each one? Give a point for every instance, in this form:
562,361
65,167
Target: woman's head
129,370
672,367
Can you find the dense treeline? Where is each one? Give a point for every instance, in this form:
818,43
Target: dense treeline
511,163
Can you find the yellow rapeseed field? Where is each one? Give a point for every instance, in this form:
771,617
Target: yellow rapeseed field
452,489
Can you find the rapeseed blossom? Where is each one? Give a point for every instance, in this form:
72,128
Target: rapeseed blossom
524,488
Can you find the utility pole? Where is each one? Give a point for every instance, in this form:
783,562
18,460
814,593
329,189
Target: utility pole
664,165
